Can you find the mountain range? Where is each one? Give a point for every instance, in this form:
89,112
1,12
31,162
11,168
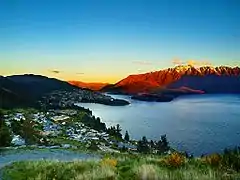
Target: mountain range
92,86
23,90
181,80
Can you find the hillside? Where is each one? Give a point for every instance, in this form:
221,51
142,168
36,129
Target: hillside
187,79
24,90
74,144
8,98
12,94
35,90
210,83
125,166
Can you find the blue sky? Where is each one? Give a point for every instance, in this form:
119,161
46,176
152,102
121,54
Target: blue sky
106,40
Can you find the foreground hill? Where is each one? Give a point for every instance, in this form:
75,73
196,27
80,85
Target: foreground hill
129,167
181,80
92,86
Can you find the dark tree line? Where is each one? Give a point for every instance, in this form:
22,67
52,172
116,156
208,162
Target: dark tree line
5,133
24,128
91,121
161,146
127,137
115,131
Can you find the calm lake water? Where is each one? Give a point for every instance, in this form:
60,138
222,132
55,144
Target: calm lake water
197,124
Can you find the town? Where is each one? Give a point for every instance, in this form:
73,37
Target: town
66,98
62,129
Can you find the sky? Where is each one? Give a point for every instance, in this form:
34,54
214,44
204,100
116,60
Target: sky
106,40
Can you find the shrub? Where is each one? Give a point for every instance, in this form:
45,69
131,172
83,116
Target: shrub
175,160
213,159
231,158
109,162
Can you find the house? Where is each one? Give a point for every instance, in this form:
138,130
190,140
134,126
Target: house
19,117
17,141
126,145
95,138
60,118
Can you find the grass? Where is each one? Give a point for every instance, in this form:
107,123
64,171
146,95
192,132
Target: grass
49,170
124,167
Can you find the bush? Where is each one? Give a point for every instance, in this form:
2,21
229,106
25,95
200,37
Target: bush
213,159
109,162
231,158
175,160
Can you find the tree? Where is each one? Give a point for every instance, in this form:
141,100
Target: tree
123,149
163,144
152,144
118,131
30,134
115,131
17,127
126,138
25,128
1,114
5,134
93,146
143,146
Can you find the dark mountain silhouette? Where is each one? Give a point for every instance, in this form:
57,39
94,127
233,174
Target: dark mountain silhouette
11,93
39,85
181,80
25,90
92,86
209,83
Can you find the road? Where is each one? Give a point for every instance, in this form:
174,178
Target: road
9,157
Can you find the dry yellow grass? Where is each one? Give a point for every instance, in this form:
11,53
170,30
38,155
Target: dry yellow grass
146,172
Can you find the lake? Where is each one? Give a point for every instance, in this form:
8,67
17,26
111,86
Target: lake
198,124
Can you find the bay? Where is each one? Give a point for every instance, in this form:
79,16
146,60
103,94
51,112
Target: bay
199,124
